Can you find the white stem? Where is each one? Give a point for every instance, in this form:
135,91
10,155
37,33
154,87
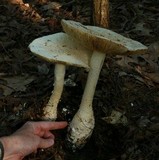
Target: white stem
50,111
82,125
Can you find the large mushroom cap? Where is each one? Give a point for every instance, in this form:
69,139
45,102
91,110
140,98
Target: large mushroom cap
61,48
102,39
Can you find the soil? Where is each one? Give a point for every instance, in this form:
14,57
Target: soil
128,85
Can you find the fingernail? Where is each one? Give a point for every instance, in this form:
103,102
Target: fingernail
51,141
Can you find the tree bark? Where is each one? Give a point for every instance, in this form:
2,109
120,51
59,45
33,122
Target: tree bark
101,13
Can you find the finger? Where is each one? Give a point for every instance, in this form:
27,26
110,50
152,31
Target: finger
47,125
45,143
48,134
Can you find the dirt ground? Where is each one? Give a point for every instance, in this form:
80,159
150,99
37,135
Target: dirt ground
128,86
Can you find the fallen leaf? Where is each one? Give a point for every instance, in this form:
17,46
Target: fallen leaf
146,65
12,84
116,117
153,76
52,5
142,29
125,61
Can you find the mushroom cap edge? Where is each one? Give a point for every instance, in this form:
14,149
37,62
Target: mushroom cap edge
61,48
103,40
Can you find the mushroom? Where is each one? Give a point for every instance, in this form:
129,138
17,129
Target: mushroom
62,50
102,42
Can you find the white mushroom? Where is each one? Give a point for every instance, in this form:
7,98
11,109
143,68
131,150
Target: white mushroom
101,41
62,50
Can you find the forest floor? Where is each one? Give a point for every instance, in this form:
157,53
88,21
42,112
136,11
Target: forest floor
128,85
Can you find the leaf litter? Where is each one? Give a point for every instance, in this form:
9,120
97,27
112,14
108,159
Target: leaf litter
12,84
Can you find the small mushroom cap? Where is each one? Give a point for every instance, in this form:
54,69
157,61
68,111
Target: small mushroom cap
61,48
101,39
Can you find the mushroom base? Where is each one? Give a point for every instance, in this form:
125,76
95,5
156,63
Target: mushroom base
79,131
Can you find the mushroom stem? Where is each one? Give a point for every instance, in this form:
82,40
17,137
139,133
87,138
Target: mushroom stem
81,127
50,111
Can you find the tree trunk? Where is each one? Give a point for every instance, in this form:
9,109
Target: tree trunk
101,13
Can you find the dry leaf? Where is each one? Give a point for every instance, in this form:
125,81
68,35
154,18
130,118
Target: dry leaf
153,76
14,83
116,117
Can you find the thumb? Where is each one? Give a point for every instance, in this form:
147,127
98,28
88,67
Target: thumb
45,143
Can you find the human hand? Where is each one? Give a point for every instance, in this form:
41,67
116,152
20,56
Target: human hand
30,137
